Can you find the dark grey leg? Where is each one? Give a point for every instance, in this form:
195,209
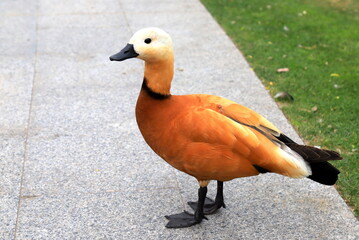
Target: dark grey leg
211,206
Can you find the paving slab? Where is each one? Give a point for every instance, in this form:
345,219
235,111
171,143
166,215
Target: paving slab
93,216
17,35
12,154
73,164
17,8
71,100
8,215
11,161
17,49
61,164
16,75
80,7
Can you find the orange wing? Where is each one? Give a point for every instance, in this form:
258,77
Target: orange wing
243,115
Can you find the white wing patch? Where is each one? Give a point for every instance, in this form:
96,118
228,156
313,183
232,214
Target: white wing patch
300,167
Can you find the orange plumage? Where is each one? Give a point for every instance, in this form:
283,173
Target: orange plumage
194,134
209,137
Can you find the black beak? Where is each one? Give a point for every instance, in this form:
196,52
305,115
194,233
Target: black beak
126,53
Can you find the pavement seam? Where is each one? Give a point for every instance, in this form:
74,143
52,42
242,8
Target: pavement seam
28,123
178,188
125,17
108,191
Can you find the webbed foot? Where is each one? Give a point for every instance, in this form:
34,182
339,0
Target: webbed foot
182,220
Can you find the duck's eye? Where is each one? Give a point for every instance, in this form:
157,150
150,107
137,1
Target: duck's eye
148,40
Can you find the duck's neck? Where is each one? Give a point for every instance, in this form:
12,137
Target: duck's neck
158,76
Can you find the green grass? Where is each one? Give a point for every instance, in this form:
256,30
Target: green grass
319,42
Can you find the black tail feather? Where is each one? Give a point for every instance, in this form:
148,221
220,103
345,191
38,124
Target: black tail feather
283,138
313,154
322,171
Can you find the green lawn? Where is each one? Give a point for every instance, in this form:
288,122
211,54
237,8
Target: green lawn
318,41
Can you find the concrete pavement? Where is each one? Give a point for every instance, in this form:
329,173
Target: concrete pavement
73,164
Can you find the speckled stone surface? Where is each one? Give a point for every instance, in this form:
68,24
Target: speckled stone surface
73,164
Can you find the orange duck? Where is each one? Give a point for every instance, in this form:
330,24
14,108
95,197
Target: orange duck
210,137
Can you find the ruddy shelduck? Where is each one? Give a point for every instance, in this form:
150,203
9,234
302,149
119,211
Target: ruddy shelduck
210,137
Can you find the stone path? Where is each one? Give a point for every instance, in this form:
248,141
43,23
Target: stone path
72,162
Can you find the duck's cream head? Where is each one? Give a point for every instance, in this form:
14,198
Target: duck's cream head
154,46
148,44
